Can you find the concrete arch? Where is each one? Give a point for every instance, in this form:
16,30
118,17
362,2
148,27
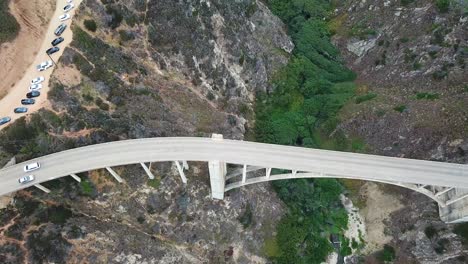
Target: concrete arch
311,175
448,181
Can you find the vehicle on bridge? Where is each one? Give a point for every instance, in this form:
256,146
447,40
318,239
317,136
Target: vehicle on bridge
32,167
26,179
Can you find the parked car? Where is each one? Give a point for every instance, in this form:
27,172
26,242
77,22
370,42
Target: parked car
52,50
69,1
37,80
44,66
26,179
64,17
28,101
32,167
60,29
20,110
33,94
68,7
57,41
4,120
35,87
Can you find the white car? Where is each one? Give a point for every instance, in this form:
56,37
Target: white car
35,87
32,167
26,179
38,80
68,7
44,66
64,17
69,1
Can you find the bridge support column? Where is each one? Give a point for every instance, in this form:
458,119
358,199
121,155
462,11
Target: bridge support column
114,174
74,176
217,178
244,173
181,171
185,165
42,188
147,170
218,172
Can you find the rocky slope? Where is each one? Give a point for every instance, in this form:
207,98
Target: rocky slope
410,57
152,68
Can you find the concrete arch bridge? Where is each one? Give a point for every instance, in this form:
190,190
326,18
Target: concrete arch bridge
445,183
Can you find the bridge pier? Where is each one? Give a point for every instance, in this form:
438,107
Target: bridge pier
218,172
74,176
42,188
114,174
147,170
181,171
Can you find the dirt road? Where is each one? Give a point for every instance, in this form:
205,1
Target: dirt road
14,95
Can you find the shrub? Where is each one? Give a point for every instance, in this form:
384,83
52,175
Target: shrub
116,14
406,2
9,27
365,97
101,104
462,231
442,5
400,108
154,183
430,232
141,219
427,96
87,188
246,219
387,254
125,35
57,92
90,25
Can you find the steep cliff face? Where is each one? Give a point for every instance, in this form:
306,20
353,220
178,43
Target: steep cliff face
410,58
146,69
222,51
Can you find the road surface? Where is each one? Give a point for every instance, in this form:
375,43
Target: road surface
18,92
342,164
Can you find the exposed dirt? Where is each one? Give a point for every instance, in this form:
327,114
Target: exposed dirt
378,208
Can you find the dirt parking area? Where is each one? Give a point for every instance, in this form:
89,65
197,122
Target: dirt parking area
16,56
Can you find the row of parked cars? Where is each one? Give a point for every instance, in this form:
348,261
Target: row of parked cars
36,83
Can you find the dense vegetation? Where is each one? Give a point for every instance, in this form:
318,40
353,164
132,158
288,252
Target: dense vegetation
9,27
302,111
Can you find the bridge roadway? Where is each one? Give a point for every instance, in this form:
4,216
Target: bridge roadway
341,164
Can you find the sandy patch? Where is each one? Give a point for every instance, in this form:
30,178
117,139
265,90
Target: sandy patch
378,208
68,76
356,223
5,200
